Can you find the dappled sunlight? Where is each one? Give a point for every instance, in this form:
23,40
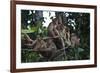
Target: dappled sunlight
47,17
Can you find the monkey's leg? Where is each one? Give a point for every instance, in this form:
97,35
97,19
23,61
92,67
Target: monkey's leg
63,43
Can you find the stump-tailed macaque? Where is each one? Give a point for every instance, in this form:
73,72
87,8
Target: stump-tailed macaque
45,47
59,32
39,45
54,33
64,33
52,28
67,36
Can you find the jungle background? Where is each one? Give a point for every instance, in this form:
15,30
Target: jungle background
34,24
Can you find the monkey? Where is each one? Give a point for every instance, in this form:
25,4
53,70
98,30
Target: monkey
62,33
67,35
52,28
50,49
45,47
39,45
54,33
59,32
65,31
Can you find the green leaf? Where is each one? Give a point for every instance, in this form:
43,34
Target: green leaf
27,31
32,30
80,49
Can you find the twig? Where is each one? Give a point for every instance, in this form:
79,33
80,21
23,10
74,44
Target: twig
57,53
27,49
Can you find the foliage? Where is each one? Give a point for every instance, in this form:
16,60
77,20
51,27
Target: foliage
29,56
79,23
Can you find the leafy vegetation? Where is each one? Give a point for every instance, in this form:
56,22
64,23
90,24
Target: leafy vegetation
33,25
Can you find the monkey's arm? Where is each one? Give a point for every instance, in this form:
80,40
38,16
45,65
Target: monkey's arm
31,44
28,38
29,41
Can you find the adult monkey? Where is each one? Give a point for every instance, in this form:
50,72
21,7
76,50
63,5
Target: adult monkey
64,31
59,32
44,46
54,33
